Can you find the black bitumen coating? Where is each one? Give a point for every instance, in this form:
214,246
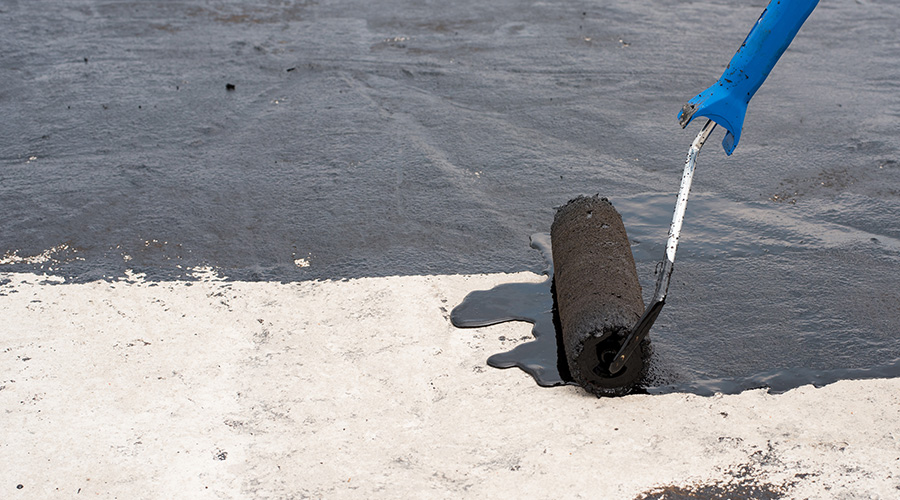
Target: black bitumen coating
543,357
598,293
397,137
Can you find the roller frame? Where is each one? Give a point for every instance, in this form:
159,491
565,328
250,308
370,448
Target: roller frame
642,327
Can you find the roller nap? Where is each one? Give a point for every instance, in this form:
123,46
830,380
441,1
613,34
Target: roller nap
598,294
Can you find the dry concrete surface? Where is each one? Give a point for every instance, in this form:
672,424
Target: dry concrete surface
363,389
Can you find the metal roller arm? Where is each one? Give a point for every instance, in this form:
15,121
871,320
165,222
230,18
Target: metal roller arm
637,334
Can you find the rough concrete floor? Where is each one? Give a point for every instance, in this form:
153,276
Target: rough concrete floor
371,140
363,389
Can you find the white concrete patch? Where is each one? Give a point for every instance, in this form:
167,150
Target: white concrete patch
206,273
363,389
47,256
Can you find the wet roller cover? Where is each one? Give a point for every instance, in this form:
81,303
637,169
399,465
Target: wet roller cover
598,294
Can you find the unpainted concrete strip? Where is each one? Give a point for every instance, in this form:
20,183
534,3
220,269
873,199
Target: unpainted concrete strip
363,389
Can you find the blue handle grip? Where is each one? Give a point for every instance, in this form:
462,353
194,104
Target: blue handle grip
725,102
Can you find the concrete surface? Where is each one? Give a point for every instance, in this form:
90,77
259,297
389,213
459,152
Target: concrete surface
363,389
414,146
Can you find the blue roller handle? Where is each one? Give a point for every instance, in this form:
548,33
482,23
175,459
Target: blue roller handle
726,101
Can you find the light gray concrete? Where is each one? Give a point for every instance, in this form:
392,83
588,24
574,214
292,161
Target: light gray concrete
363,389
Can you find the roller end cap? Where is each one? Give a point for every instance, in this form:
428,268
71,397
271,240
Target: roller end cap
592,367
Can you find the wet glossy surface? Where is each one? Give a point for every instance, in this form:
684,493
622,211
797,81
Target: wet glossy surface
530,302
401,137
541,358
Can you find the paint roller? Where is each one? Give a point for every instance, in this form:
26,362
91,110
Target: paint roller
598,296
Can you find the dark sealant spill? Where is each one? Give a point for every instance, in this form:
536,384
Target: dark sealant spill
542,358
531,302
